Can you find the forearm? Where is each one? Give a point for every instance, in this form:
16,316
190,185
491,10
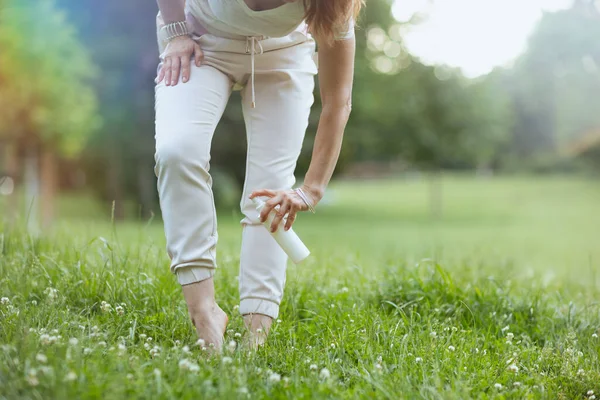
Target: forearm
326,150
172,10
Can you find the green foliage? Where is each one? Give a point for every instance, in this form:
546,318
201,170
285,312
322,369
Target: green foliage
554,85
44,77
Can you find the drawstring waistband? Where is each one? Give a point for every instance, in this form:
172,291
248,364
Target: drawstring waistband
251,49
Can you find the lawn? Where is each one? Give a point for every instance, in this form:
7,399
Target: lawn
499,298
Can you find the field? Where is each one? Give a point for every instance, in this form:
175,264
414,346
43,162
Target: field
499,298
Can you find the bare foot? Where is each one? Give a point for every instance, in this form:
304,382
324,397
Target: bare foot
258,326
208,318
210,324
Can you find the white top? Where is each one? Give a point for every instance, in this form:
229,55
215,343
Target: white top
234,19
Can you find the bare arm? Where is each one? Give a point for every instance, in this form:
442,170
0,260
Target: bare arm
172,10
336,73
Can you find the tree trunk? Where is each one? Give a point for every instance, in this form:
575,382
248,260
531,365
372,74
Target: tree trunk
146,189
436,194
48,186
11,167
31,180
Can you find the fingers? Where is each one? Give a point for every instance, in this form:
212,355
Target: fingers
263,192
161,73
175,70
291,217
283,209
185,69
167,71
198,55
269,206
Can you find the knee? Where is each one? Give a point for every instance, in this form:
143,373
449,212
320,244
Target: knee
177,153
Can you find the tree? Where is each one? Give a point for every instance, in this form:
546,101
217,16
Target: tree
47,107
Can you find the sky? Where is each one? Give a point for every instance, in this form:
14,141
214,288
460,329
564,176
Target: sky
474,35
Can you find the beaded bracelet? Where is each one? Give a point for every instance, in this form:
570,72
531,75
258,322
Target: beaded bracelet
304,198
173,30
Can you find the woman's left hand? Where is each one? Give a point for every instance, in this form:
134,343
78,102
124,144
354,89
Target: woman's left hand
285,202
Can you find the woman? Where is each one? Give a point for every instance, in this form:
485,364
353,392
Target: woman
263,48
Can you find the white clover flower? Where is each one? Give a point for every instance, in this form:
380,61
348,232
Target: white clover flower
32,377
120,310
259,331
505,328
433,334
155,351
87,351
32,330
231,346
51,293
243,390
193,367
73,341
147,346
418,360
484,352
184,364
333,345
227,360
236,307
122,348
517,384
338,360
454,329
149,339
105,307
41,358
129,376
580,372
510,336
34,302
157,372
498,386
344,290
70,377
5,300
513,368
200,342
590,393
274,377
237,335
278,321
186,349
102,343
378,367
142,336
451,348
54,331
313,367
595,335
324,374
45,339
592,397
45,370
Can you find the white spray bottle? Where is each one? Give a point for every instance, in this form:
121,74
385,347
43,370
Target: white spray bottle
288,240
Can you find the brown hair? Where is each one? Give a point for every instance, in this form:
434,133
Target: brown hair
327,18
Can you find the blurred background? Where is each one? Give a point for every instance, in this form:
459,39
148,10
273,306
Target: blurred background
445,90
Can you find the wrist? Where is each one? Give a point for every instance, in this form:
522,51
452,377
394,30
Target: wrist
315,192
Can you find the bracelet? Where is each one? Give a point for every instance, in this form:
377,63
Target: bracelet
173,30
304,198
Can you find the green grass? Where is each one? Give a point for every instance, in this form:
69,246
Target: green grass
502,289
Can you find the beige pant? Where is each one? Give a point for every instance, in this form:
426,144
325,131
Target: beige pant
186,117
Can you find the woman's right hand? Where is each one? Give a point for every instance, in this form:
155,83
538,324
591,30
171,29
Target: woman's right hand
177,59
